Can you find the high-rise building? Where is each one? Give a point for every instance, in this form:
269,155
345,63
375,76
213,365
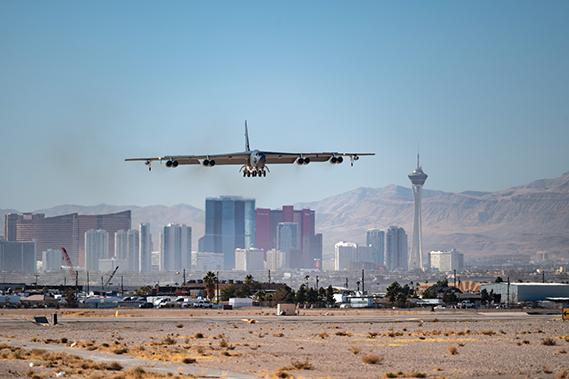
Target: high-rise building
418,178
121,251
96,247
344,252
51,260
249,259
132,249
447,261
142,261
375,238
396,255
66,231
229,225
175,248
288,241
10,223
312,251
267,221
17,256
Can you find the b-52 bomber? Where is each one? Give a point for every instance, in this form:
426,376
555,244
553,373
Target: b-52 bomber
254,162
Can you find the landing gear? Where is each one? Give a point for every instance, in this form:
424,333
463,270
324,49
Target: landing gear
253,172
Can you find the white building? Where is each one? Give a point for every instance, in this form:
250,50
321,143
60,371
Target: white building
249,259
447,261
96,247
207,261
345,252
112,263
276,260
143,260
175,248
51,260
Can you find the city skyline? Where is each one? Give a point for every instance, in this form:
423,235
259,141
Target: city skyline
482,85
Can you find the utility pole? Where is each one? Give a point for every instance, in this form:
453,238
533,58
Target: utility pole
269,278
363,282
346,283
316,282
184,276
508,296
217,281
122,287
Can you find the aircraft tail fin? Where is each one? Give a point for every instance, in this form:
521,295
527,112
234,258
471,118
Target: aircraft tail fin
246,138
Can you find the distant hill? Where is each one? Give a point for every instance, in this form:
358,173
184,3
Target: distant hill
522,219
519,220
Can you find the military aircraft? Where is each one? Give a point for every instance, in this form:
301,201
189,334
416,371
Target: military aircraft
254,162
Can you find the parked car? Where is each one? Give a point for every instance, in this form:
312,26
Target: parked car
145,305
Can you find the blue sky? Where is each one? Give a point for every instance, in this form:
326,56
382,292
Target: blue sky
482,86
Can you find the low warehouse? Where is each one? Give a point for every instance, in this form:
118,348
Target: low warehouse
521,292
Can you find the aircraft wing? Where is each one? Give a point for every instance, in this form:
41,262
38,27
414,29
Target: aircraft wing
220,159
284,158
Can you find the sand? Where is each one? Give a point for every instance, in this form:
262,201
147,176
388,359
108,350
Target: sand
310,347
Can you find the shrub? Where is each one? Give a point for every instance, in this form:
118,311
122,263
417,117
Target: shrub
453,350
114,366
179,325
168,341
299,365
549,342
372,359
188,360
355,350
198,335
322,335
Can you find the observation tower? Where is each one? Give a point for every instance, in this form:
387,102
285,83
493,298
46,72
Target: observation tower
418,178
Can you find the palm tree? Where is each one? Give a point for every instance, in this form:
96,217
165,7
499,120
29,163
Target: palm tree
210,279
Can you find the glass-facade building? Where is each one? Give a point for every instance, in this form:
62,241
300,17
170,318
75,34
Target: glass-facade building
229,225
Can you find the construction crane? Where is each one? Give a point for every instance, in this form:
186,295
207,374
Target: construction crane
110,277
71,271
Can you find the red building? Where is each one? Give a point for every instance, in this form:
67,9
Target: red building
266,232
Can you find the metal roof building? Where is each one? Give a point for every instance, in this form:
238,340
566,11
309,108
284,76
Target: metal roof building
520,292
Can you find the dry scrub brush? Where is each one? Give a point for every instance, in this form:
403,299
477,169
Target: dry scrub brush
372,359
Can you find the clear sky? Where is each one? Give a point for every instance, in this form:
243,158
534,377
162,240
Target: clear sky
481,86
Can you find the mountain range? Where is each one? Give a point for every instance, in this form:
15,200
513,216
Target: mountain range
518,221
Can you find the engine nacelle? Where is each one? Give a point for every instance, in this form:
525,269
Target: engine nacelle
205,162
300,161
169,164
212,162
340,159
333,160
306,160
174,164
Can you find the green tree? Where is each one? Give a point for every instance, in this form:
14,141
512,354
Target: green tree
228,292
283,295
499,280
330,296
249,287
442,283
393,290
449,297
321,296
210,280
70,298
484,296
143,291
300,295
311,296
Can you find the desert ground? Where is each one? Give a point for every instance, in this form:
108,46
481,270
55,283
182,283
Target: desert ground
255,342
